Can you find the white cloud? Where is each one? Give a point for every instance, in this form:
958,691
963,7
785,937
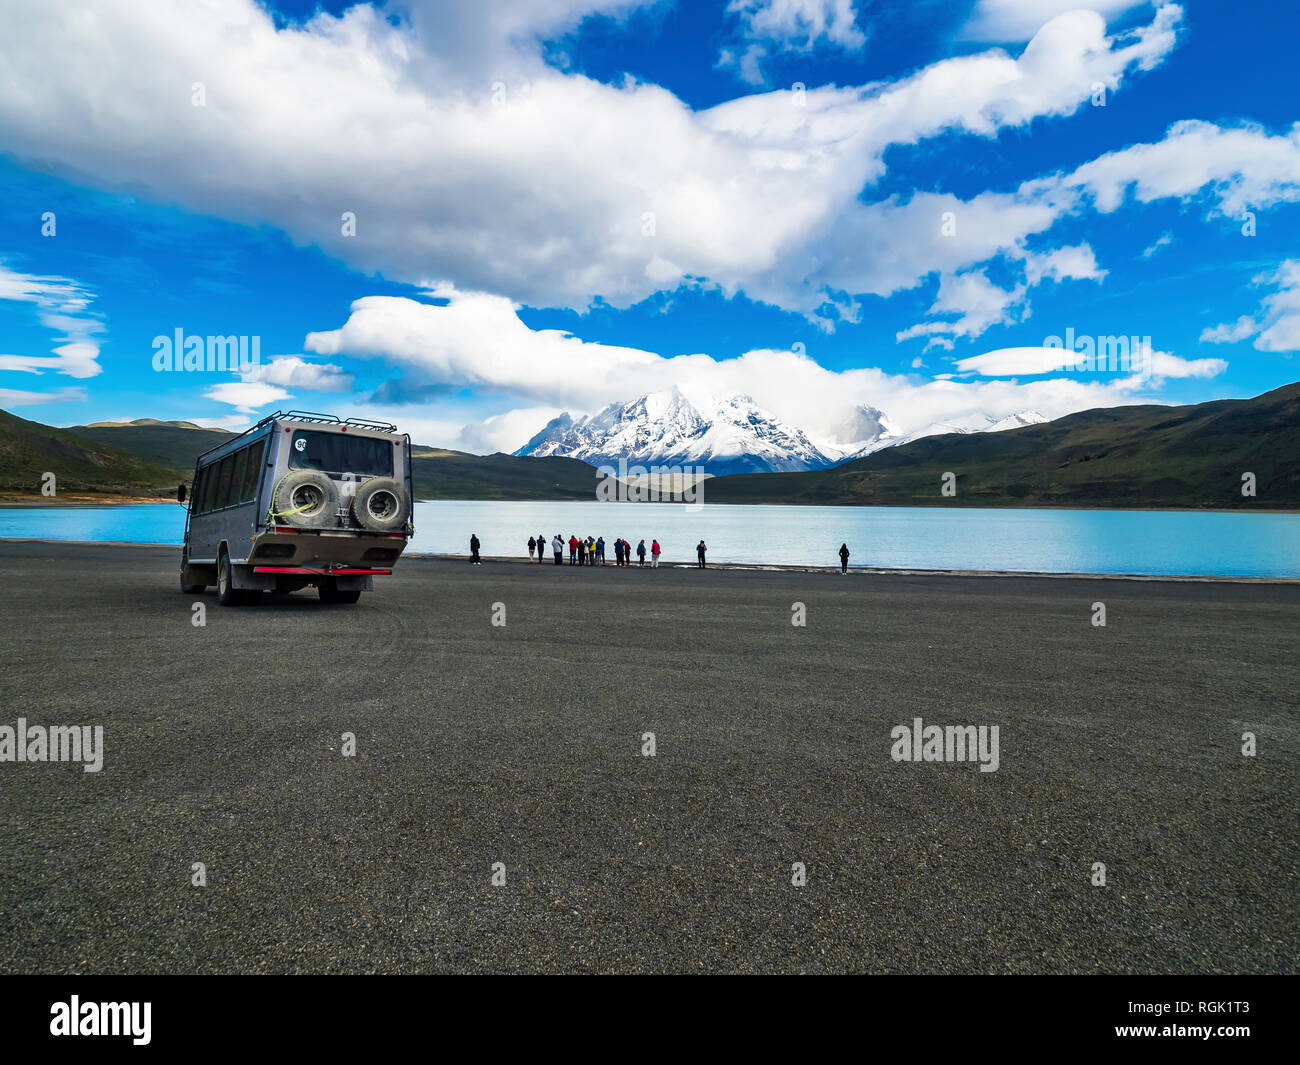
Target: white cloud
479,340
1277,326
974,299
1029,361
1230,332
800,24
1160,242
1165,365
747,64
541,195
504,432
1281,330
1244,168
1077,263
11,397
1018,20
246,396
293,371
62,306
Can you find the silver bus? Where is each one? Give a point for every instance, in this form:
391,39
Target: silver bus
299,499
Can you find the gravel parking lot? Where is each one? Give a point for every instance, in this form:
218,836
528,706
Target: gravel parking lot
522,744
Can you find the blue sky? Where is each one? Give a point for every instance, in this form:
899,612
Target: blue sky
565,203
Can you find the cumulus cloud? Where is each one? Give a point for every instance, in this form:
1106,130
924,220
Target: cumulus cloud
976,302
62,306
464,156
1281,308
1276,328
1230,332
246,396
478,340
293,371
1077,263
1018,20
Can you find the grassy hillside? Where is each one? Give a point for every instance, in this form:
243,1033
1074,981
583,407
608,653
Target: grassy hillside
441,474
1146,456
172,444
28,450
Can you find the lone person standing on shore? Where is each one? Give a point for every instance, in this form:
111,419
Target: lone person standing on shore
474,545
700,548
844,558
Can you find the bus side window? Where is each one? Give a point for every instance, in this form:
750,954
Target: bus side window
238,463
252,472
222,492
209,476
196,489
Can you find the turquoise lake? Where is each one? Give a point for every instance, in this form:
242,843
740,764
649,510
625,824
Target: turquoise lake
1053,541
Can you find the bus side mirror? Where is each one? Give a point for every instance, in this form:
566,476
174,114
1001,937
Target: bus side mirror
180,493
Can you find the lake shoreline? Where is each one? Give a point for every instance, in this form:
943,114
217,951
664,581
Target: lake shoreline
749,567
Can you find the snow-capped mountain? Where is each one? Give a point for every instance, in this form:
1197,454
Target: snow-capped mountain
732,435
725,435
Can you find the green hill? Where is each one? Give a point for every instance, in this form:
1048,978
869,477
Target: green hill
441,474
172,444
28,450
1141,456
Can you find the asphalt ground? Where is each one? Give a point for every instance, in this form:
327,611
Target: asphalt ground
522,744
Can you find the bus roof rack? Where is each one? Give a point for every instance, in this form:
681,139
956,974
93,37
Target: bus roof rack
366,423
325,419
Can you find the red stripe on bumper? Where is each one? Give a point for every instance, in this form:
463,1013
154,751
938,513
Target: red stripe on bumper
319,572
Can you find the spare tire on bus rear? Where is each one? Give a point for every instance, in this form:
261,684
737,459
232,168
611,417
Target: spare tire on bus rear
306,498
381,505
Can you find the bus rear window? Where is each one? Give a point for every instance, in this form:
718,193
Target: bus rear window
340,453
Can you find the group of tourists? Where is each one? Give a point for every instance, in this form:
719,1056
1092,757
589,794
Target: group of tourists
591,550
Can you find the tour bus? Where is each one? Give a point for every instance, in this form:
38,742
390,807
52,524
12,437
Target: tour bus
299,499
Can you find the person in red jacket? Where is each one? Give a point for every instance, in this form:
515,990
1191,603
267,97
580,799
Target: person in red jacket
655,550
573,550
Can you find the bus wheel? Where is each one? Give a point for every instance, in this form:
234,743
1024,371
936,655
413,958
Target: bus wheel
227,593
330,593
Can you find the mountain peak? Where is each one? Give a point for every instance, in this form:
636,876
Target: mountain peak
732,434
